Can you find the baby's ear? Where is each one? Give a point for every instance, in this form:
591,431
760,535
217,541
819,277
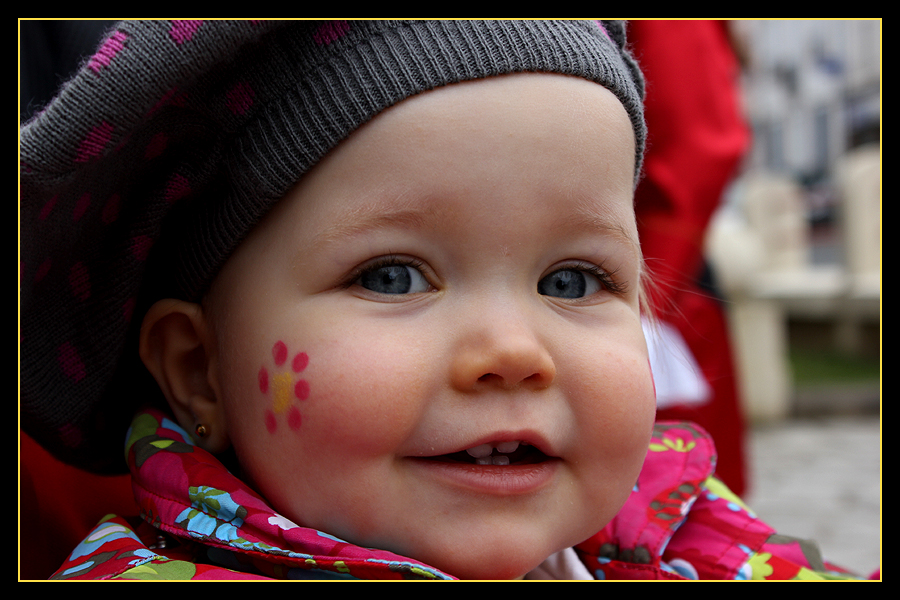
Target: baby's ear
178,348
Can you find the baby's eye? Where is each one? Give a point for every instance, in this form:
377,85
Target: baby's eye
570,283
394,279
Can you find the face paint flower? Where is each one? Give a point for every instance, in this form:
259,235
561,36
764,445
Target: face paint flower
285,386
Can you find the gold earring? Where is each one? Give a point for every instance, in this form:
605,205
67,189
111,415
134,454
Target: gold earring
201,431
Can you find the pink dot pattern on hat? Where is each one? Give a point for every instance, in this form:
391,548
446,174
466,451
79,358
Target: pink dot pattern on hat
183,31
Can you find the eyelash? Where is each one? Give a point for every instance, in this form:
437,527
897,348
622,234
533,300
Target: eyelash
381,262
605,277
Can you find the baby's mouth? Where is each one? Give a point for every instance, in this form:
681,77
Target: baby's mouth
501,453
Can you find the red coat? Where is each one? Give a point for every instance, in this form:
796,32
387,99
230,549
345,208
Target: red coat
697,136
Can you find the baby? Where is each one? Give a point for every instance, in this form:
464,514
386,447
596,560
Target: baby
389,274
457,286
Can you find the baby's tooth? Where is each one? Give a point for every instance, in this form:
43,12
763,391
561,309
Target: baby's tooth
481,451
483,460
507,447
500,460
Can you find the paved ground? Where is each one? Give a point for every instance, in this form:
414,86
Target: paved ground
819,478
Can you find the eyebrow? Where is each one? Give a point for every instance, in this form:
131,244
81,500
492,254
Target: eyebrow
415,214
371,217
587,217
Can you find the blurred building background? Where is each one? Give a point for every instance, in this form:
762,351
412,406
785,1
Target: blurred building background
813,93
797,245
797,249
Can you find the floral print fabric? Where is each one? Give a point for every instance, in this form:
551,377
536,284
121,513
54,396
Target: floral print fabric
201,522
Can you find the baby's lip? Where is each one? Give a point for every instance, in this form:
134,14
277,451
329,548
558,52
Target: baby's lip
532,466
516,446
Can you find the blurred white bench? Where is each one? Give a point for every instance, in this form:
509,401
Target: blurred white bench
761,252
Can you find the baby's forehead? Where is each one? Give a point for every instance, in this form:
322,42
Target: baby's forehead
527,120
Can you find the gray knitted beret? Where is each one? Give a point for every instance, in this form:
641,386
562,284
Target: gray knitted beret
176,137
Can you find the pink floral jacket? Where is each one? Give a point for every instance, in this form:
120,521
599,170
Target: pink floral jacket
200,522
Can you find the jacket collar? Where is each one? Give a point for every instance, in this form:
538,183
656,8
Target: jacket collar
186,492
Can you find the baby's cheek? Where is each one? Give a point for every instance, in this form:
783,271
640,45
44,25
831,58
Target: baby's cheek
365,399
623,410
283,388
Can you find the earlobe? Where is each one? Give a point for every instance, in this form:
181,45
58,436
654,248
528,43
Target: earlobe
178,349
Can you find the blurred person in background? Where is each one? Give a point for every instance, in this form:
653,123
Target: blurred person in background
697,136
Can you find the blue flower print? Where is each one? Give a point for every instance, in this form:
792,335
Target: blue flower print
212,514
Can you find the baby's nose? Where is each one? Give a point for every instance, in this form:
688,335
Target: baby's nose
502,351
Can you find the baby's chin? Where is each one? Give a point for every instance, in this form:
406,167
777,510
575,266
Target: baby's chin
502,557
507,565
513,562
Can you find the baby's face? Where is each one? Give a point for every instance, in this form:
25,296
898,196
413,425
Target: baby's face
432,345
